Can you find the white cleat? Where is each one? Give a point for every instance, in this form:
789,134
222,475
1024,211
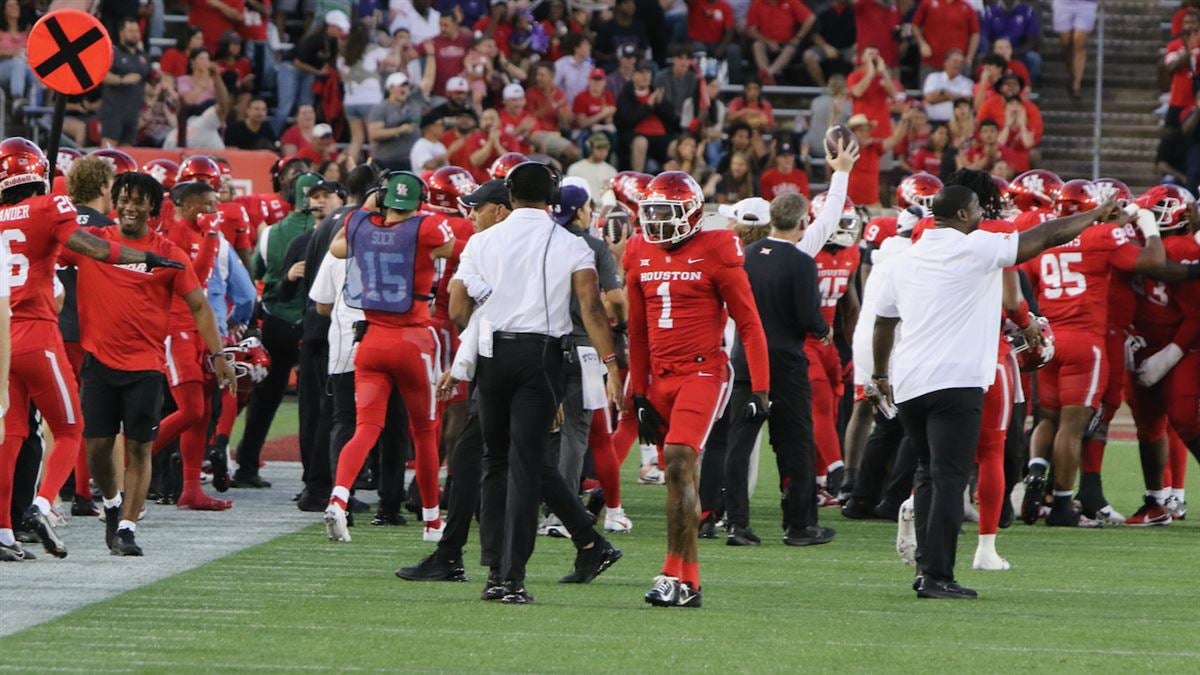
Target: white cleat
615,520
552,527
335,524
432,534
1176,507
1110,516
650,474
906,533
989,561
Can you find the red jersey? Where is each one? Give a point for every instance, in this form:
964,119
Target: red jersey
651,124
509,125
434,232
586,105
946,25
777,20
448,55
677,308
1072,280
255,209
462,229
199,241
863,188
235,225
707,21
835,270
34,232
124,310
1027,220
879,230
254,25
545,106
875,103
875,26
1162,307
274,208
924,159
211,22
774,183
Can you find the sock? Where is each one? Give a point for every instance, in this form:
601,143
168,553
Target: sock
6,537
1039,464
340,497
1159,496
835,466
691,574
42,504
113,503
1062,500
649,454
433,516
1177,493
127,525
987,542
673,566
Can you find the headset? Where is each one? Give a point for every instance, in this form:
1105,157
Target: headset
554,175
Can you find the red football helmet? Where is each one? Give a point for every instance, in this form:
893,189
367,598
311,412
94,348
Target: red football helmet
202,168
1031,357
163,170
1076,196
671,208
505,163
250,362
21,162
446,186
119,160
1111,188
279,167
1036,189
223,165
627,188
848,226
1009,210
1170,203
66,157
919,188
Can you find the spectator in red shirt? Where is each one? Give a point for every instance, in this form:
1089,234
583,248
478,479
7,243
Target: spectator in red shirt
987,150
778,28
784,178
1177,19
711,24
1004,48
515,120
876,23
323,147
550,106
751,109
644,120
484,146
1019,134
871,90
174,61
928,158
1181,63
214,17
995,107
595,106
449,49
863,188
942,25
911,133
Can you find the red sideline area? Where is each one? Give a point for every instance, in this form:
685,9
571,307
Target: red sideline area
251,168
281,449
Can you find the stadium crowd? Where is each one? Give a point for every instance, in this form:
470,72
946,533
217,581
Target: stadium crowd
397,286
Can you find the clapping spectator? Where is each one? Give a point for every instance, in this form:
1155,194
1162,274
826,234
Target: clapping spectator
428,153
1020,134
680,82
737,181
1180,62
418,17
911,134
945,86
627,60
358,66
1017,22
1007,88
777,28
253,132
785,177
553,112
986,151
215,17
483,146
871,89
574,67
830,108
752,109
595,107
711,25
124,85
458,130
595,168
834,39
644,120
449,50
299,136
940,26
991,69
392,125
316,50
1073,21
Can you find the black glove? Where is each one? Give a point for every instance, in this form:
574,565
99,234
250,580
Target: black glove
754,411
650,423
154,260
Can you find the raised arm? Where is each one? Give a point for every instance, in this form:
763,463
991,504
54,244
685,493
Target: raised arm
1059,231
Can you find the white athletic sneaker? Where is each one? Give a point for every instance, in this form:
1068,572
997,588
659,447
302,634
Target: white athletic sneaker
1110,516
650,474
335,524
1176,507
433,535
615,520
987,559
906,534
552,527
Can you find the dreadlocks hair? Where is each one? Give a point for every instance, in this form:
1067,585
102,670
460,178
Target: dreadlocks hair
981,183
132,182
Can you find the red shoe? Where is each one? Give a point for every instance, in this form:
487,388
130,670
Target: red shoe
1151,514
824,499
198,501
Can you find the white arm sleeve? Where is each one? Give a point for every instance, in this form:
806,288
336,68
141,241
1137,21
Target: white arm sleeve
826,221
462,368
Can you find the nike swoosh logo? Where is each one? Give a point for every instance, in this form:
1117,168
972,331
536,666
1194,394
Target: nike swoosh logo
704,374
693,261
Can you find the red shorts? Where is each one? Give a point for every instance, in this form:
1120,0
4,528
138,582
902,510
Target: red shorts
186,356
1076,375
447,333
691,405
1114,355
824,365
46,377
999,398
405,358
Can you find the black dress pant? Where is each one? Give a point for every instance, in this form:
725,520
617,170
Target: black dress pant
712,467
790,427
879,460
1016,448
519,388
282,341
943,427
25,472
316,413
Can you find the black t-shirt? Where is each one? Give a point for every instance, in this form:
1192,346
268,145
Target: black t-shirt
68,318
238,135
316,50
1173,149
837,27
611,35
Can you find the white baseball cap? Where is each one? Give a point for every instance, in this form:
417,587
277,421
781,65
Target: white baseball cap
338,19
396,79
322,130
457,83
752,211
513,91
578,182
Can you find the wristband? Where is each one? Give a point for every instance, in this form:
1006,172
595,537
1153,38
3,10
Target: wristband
879,377
608,358
114,253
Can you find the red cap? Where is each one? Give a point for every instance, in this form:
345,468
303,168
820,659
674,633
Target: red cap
597,74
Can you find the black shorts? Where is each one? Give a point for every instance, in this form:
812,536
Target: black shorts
116,401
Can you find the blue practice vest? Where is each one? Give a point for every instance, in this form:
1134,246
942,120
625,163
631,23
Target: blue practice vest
381,260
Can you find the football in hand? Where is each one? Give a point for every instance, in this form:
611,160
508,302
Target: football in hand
835,133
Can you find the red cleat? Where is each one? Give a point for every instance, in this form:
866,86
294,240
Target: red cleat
826,500
198,501
1151,514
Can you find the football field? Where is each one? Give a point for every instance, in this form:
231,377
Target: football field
1097,601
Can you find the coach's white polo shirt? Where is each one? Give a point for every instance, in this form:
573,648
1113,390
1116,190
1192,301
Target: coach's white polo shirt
947,290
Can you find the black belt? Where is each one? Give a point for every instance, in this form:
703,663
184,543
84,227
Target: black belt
522,337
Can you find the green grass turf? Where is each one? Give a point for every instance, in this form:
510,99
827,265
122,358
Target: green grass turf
1094,601
286,423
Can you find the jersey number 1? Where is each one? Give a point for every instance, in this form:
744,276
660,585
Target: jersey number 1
664,318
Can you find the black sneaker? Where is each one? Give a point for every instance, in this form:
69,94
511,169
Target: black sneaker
808,536
1035,496
14,553
218,460
493,589
665,592
384,518
433,568
309,502
112,518
886,509
595,503
356,505
741,536
1069,517
944,590
253,481
1007,515
857,508
515,594
833,482
24,536
708,527
83,507
125,545
39,524
591,563
688,596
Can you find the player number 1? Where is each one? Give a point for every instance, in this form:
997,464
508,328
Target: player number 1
664,292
